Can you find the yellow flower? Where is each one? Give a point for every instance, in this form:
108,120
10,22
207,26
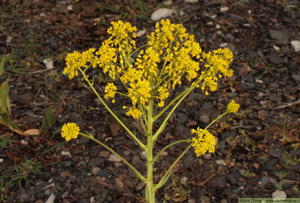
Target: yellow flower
69,131
76,60
139,92
204,142
135,113
110,91
73,62
162,95
233,107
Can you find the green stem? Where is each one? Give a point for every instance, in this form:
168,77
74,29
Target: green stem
216,119
112,113
170,104
163,125
140,176
168,146
149,150
138,49
160,183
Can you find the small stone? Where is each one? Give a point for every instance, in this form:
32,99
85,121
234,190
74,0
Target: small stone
70,7
218,182
224,9
137,161
188,162
161,13
49,63
103,173
95,161
279,194
140,33
276,48
229,36
204,199
233,178
282,37
296,77
114,158
143,155
221,162
66,153
244,69
256,165
104,154
275,98
206,156
192,201
296,45
119,183
223,45
140,186
205,116
276,151
274,85
95,170
66,194
24,142
183,180
168,3
24,98
65,174
66,164
248,78
47,192
276,59
24,198
83,140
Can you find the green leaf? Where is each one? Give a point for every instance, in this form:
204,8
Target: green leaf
165,180
2,66
4,141
4,98
48,121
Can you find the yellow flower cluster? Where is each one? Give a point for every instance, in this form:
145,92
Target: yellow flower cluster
114,52
69,131
233,107
135,113
110,91
170,56
217,64
77,60
204,142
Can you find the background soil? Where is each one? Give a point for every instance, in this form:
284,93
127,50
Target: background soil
257,154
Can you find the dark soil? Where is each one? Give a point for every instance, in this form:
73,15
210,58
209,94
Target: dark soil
258,150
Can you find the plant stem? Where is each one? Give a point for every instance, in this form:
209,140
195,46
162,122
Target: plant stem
163,125
149,150
111,112
140,176
168,146
160,184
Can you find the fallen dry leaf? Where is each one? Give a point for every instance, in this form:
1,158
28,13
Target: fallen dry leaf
32,132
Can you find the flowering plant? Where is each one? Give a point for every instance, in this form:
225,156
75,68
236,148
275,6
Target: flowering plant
170,56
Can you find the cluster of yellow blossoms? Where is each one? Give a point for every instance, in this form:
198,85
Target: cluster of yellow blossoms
69,131
204,141
233,107
170,55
